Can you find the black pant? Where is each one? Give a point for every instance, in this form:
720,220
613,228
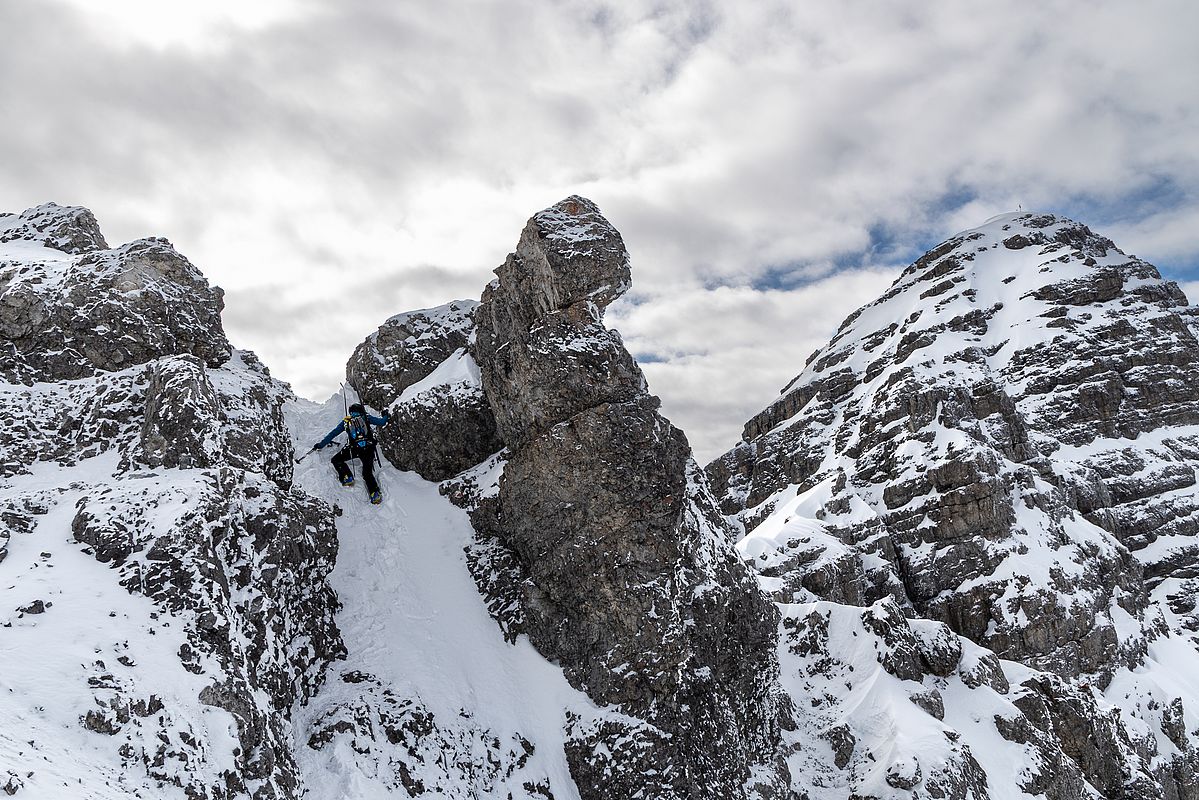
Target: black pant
365,454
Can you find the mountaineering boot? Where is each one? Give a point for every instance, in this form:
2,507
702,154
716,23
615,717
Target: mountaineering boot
376,497
347,480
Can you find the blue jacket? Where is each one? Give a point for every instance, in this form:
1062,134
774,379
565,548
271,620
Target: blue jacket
341,427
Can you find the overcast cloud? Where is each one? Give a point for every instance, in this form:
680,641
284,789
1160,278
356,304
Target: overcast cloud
770,164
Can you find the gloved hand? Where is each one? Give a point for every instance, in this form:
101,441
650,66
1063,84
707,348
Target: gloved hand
386,415
318,446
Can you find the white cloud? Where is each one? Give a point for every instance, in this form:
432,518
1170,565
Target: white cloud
717,357
301,148
1191,289
1172,233
153,23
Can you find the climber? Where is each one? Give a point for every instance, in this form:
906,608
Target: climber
357,425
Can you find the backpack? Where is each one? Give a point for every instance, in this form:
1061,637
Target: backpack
358,428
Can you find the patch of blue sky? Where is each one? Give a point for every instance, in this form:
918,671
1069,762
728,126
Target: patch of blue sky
1152,197
1155,195
886,246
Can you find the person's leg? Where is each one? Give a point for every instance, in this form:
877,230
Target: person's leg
339,464
367,456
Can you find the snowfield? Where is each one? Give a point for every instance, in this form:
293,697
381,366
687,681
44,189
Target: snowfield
412,617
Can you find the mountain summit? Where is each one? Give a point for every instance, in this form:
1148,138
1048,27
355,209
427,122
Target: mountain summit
1005,442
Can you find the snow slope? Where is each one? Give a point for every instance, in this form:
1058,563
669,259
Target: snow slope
93,638
412,618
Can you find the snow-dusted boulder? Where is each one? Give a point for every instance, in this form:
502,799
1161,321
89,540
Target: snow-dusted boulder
406,348
67,314
71,229
419,366
442,425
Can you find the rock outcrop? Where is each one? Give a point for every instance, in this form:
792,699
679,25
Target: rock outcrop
406,348
182,426
69,229
420,367
623,570
172,463
242,569
65,316
411,751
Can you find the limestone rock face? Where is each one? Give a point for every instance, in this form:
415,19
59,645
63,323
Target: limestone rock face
182,426
254,433
406,348
622,567
1001,338
169,412
70,421
237,570
542,347
419,366
443,429
422,752
65,316
197,418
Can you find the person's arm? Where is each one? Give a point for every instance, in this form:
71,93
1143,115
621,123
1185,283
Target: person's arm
379,422
328,440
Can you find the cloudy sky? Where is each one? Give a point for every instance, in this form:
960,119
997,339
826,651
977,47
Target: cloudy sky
770,164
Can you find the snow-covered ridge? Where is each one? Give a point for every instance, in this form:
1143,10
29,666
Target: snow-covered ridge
1006,441
1009,285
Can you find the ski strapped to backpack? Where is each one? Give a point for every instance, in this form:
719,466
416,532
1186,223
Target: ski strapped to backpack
358,428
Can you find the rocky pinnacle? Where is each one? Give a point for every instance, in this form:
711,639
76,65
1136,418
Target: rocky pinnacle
631,584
